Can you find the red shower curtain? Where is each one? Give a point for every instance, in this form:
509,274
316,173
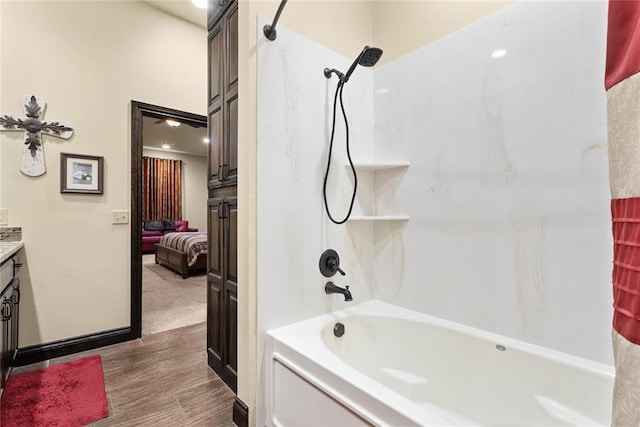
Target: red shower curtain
161,189
622,81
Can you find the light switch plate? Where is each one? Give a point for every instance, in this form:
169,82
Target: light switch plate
120,217
4,216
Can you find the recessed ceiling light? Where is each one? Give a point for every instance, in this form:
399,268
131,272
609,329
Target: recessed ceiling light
499,53
166,145
200,4
205,140
173,123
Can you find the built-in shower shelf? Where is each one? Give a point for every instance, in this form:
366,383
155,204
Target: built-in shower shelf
373,166
394,167
379,218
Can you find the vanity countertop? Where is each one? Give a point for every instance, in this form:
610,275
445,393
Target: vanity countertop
7,249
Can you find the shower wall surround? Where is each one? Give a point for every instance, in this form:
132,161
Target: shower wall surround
507,190
295,104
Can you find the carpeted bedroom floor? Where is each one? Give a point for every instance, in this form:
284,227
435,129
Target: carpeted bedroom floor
168,300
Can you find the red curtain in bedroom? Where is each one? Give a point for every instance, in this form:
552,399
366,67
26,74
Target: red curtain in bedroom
161,189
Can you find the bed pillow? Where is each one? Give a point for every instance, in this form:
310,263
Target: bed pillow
154,225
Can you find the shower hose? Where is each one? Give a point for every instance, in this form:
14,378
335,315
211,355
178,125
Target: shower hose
353,169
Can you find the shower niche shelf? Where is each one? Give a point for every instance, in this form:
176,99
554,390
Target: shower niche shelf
379,218
375,166
389,167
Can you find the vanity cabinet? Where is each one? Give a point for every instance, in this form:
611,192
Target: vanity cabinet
222,288
9,315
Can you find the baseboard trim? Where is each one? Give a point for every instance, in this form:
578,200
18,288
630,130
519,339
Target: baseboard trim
51,350
240,413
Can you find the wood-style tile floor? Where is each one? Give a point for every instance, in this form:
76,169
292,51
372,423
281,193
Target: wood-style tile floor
160,380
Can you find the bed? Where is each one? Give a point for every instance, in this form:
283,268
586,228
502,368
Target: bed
183,253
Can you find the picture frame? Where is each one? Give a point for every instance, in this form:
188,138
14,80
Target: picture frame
81,173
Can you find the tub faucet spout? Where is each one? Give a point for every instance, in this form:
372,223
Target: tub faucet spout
331,288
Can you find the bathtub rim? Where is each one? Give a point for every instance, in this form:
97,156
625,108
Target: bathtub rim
301,343
328,373
379,308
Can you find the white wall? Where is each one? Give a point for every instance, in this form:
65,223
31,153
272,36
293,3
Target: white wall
295,104
293,140
88,60
194,185
508,187
402,26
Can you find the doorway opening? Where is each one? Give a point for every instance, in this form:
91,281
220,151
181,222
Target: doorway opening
163,301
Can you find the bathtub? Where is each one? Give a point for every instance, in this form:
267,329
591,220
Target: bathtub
397,367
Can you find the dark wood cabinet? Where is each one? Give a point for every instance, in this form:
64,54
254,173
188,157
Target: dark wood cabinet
215,112
215,9
9,314
222,287
222,222
223,100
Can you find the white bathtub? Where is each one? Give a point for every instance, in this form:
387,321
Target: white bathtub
398,367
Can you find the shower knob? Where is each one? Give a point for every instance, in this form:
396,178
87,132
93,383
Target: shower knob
330,263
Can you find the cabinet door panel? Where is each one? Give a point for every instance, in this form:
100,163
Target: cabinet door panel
215,147
6,306
232,241
231,154
15,316
214,280
232,50
214,238
215,65
4,345
232,333
214,317
231,286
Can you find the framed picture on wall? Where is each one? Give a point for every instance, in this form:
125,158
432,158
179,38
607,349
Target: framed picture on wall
81,174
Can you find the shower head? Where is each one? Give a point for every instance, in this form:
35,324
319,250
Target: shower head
367,58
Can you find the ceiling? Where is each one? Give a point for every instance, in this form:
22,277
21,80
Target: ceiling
182,9
184,138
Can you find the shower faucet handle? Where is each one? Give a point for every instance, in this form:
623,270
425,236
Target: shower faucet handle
336,267
330,263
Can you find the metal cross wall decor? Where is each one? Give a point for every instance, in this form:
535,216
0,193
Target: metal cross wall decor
33,153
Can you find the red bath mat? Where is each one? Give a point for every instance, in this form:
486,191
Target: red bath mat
69,395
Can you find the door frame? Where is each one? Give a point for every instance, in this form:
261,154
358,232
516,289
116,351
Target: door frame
138,111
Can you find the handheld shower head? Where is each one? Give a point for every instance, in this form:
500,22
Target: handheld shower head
367,58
